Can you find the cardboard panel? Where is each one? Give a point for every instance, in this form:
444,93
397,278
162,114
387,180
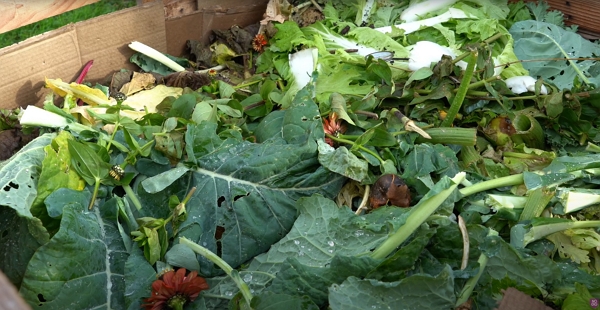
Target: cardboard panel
15,14
211,15
63,52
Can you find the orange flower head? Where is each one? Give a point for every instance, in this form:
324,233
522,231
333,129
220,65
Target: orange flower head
175,287
212,72
259,42
333,126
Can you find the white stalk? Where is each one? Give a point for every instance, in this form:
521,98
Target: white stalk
413,26
34,116
414,12
156,55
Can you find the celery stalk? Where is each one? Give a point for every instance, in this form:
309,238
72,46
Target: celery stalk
418,215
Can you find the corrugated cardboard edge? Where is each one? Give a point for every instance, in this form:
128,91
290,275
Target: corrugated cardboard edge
62,53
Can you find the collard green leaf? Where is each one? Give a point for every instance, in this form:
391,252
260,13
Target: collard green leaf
19,176
536,40
396,266
21,236
298,279
246,192
182,256
427,159
342,161
139,276
414,292
324,230
271,301
530,274
96,259
62,197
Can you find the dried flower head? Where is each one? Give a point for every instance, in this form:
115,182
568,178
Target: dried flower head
259,42
333,126
174,288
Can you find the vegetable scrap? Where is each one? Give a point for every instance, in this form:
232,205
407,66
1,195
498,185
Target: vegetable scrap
426,154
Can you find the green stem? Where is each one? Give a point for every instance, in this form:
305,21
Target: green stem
246,84
418,215
340,140
132,196
510,180
541,231
458,99
591,147
112,136
520,155
348,137
94,194
222,264
482,82
471,93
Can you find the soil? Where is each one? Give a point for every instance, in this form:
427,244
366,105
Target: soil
12,140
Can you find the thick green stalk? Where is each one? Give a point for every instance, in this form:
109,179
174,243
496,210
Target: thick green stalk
450,135
222,264
418,215
536,202
482,82
529,131
132,196
510,180
462,91
541,231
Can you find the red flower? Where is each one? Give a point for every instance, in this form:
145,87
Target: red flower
259,42
173,289
333,126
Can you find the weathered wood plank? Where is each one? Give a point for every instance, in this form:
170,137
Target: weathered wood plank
18,13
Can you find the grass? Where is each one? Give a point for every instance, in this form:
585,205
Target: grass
96,9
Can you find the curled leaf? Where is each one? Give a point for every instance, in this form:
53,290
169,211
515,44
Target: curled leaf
89,95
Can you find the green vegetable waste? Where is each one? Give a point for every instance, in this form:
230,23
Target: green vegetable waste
260,178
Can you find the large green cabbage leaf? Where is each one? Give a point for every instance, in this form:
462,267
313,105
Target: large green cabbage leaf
246,192
541,40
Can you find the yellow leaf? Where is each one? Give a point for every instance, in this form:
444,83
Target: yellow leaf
140,102
92,96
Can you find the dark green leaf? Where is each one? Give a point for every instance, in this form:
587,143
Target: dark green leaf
183,106
91,238
87,162
414,292
271,301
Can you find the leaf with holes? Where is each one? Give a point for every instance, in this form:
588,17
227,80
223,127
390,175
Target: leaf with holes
246,192
82,266
541,40
20,232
